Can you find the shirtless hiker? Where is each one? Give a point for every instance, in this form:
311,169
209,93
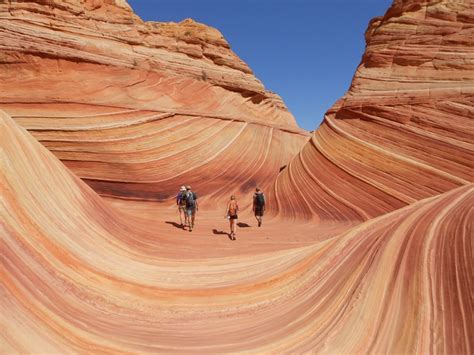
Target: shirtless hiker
231,214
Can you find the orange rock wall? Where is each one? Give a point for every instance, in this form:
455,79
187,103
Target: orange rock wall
368,248
404,131
69,286
133,107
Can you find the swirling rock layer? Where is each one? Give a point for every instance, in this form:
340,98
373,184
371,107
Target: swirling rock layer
148,154
404,130
368,248
138,108
84,287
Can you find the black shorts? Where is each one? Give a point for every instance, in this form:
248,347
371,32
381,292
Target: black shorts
259,211
233,216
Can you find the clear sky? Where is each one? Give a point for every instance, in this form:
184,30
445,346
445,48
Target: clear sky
304,50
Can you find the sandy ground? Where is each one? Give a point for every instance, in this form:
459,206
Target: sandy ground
210,236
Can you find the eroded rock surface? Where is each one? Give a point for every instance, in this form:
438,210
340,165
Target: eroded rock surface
368,246
404,130
80,276
133,107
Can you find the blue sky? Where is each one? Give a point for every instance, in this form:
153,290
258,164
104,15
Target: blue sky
304,50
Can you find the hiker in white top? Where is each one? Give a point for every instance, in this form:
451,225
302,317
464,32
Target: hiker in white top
181,203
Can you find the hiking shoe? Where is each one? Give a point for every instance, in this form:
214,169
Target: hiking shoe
259,223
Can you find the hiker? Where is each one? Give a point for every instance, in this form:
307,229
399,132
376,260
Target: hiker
191,207
181,203
231,214
258,205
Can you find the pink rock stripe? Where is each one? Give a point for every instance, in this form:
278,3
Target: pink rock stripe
366,246
403,131
71,282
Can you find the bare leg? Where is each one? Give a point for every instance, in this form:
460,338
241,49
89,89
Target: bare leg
232,228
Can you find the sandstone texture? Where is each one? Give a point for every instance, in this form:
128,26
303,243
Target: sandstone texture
105,286
133,107
99,52
404,131
366,246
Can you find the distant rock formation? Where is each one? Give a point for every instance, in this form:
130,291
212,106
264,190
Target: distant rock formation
98,87
97,52
404,131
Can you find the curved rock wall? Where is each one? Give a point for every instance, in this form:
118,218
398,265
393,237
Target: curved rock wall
133,107
384,187
404,130
68,285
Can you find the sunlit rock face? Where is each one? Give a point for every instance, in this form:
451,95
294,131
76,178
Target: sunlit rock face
368,248
78,276
132,107
404,130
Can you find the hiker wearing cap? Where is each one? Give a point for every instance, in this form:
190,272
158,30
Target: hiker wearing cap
191,207
231,215
258,205
181,203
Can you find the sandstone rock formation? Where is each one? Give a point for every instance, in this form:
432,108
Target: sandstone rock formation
368,248
75,286
131,106
404,130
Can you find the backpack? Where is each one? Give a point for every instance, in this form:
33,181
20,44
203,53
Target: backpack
182,198
190,200
259,200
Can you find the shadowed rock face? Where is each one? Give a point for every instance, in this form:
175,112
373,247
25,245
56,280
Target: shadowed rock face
404,131
380,260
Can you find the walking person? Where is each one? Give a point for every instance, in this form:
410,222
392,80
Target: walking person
181,203
231,214
258,205
191,207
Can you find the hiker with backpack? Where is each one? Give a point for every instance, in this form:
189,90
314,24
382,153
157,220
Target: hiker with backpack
181,203
258,205
231,215
191,207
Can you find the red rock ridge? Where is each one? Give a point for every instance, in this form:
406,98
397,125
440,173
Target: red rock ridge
403,131
132,107
98,52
